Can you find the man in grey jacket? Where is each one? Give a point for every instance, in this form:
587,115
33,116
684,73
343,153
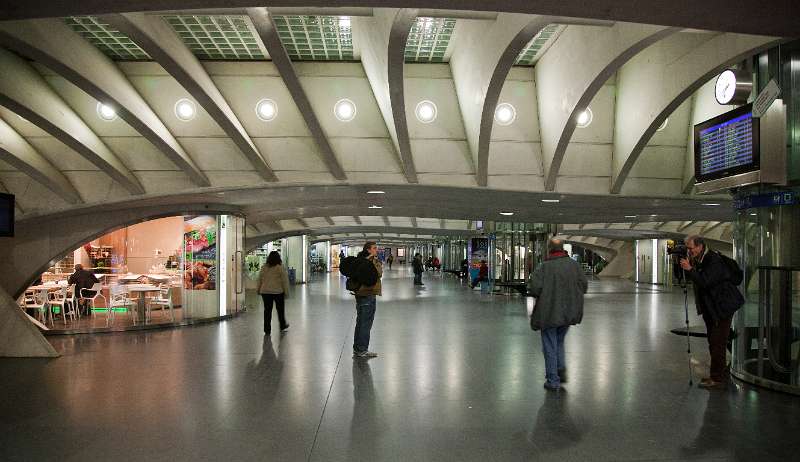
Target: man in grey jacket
558,285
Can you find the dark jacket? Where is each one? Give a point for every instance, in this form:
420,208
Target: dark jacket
374,289
558,285
417,266
82,279
714,293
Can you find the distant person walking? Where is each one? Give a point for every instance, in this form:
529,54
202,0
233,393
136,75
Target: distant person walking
558,285
418,268
366,302
390,260
483,274
273,287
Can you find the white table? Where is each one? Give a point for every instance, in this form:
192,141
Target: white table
142,290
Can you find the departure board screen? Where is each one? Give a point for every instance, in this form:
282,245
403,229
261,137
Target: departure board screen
726,145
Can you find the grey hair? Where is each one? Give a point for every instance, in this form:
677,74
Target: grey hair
696,240
556,245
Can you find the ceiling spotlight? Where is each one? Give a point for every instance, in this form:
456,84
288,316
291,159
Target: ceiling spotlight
584,118
375,207
375,192
505,114
663,125
266,110
631,216
106,112
507,214
344,22
711,204
344,110
426,111
551,201
185,109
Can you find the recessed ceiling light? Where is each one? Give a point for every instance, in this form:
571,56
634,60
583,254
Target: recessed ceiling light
631,216
185,109
584,118
507,214
266,110
753,214
426,111
106,112
551,201
375,192
344,110
505,114
663,125
711,204
344,21
375,207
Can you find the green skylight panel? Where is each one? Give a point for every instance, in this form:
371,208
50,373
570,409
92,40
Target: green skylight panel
110,41
218,36
428,40
540,43
316,38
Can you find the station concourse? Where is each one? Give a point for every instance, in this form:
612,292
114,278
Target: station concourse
157,161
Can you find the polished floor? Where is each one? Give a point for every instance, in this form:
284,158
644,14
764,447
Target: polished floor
459,378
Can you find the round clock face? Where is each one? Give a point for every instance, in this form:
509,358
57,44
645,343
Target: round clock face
725,87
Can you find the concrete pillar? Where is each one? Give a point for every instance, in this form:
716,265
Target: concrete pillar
19,337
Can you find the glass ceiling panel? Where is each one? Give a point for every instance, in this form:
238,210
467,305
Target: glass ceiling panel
218,36
316,38
540,43
428,40
110,41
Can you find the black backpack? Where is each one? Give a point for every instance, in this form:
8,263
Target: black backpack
359,272
734,271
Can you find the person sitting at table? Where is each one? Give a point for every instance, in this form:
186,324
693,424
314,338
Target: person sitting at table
83,279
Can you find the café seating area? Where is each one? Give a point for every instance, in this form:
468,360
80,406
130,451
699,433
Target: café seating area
118,301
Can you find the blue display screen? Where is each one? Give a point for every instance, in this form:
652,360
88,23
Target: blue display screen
6,215
726,146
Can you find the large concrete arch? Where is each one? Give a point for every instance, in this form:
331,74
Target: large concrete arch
21,155
268,32
668,73
24,91
43,240
54,44
398,35
480,68
155,37
571,73
374,35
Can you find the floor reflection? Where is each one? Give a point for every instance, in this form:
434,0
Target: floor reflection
366,425
555,429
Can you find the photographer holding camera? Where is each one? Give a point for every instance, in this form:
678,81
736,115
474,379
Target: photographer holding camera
715,279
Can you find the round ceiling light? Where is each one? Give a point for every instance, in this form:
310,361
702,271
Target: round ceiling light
344,110
505,114
106,112
266,110
663,125
376,192
584,118
426,111
185,109
506,214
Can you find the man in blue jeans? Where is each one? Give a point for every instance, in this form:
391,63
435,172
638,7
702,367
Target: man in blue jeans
366,304
558,285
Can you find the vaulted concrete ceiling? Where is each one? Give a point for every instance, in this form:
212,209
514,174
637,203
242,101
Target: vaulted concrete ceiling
61,155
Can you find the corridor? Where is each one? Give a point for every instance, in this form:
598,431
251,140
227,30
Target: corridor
459,377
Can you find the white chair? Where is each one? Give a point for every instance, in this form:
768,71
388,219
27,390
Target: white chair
120,299
65,306
163,301
97,288
39,302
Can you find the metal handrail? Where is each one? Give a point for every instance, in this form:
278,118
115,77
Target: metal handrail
766,310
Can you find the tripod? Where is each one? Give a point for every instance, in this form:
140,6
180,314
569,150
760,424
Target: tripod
686,312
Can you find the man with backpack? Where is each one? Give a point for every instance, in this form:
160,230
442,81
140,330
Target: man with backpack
715,278
364,274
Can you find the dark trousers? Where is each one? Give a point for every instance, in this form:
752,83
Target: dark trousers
417,278
365,314
268,299
717,346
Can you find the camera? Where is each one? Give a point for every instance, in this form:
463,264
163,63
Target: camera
678,251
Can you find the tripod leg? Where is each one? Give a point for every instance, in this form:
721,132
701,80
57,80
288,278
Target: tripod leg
688,337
